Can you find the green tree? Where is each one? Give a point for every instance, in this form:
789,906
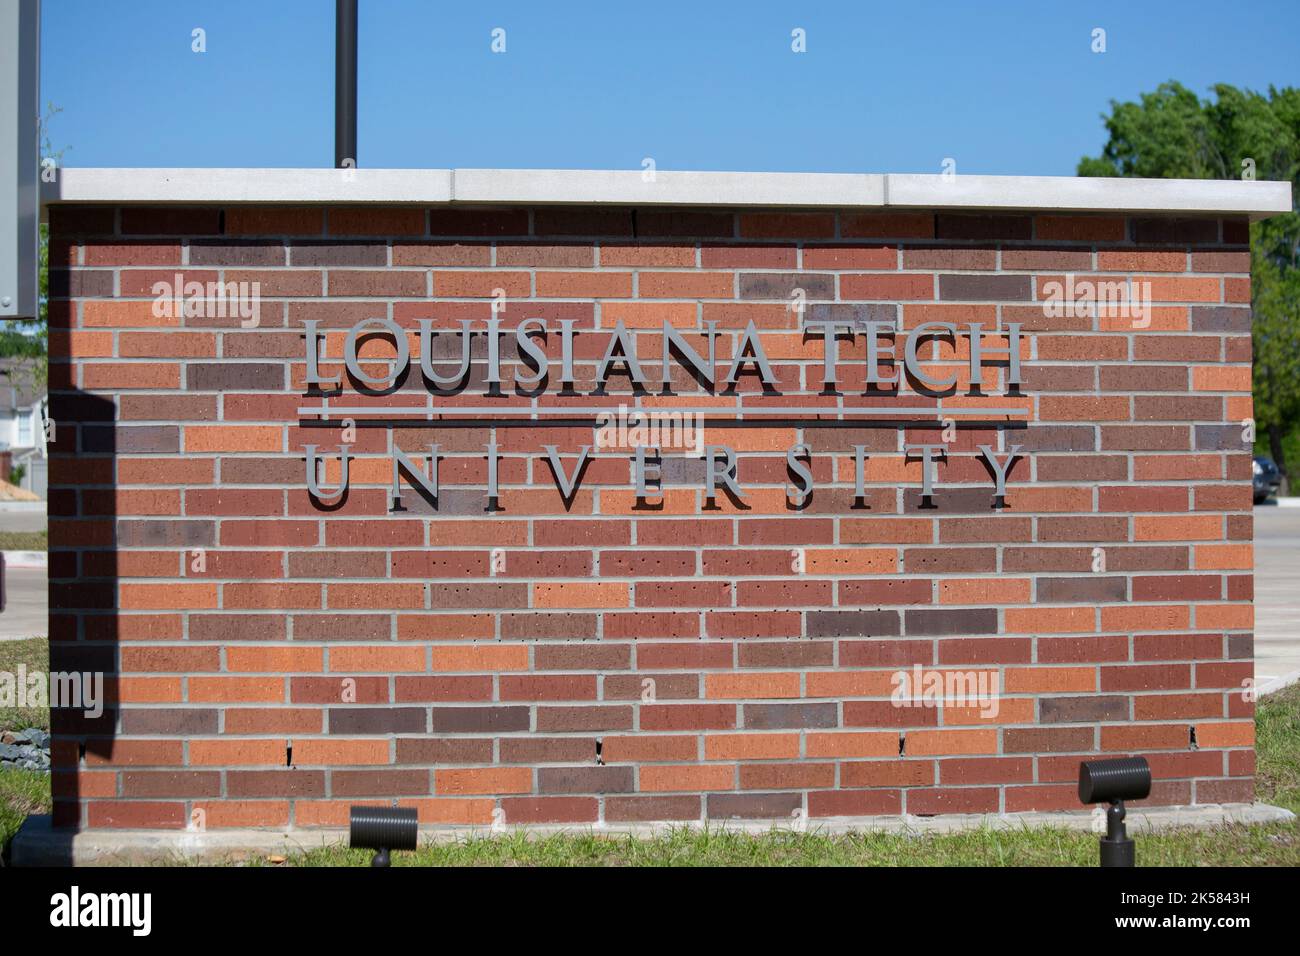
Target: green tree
1172,133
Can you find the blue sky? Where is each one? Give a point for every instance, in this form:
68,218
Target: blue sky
1001,87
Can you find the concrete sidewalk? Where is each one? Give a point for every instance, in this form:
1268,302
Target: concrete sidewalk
27,610
1277,597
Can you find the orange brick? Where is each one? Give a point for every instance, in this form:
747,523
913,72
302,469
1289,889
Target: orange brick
445,810
1221,378
1049,680
583,285
921,743
166,344
985,591
478,658
652,315
657,778
235,438
1239,617
1237,733
270,595
1240,407
314,752
149,690
673,501
1169,289
1177,527
322,813
650,747
366,596
126,375
79,345
483,285
275,719
1001,710
441,627
280,659
851,560
1144,260
1049,620
237,753
686,285
217,815
484,780
580,595
741,686
1082,408
374,659
843,683
85,784
1224,557
1177,467
661,256
1154,318
138,597
124,314
1047,498
139,753
881,530
750,746
852,744
1152,617
236,689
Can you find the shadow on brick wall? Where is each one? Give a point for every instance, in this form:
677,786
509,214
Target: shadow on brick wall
83,594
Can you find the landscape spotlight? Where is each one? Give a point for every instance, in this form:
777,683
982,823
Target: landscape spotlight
1113,782
383,829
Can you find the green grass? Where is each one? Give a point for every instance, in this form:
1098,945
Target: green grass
22,793
35,654
1277,749
24,541
1271,845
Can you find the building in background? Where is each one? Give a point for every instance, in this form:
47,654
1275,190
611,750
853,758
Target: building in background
22,430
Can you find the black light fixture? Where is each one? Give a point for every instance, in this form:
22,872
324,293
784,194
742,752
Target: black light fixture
345,84
383,829
1113,782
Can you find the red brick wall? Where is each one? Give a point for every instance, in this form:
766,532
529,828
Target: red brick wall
278,658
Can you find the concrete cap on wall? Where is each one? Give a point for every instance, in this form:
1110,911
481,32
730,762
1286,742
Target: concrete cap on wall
1258,199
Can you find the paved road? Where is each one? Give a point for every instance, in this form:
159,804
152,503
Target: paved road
21,520
27,611
1277,592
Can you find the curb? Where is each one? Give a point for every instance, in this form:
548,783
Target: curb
27,559
37,843
1277,683
1292,502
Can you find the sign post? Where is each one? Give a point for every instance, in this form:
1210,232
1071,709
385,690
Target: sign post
20,110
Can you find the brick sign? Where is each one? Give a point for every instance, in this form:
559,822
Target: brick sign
567,514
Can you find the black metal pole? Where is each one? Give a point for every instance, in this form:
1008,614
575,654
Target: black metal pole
345,83
1116,848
